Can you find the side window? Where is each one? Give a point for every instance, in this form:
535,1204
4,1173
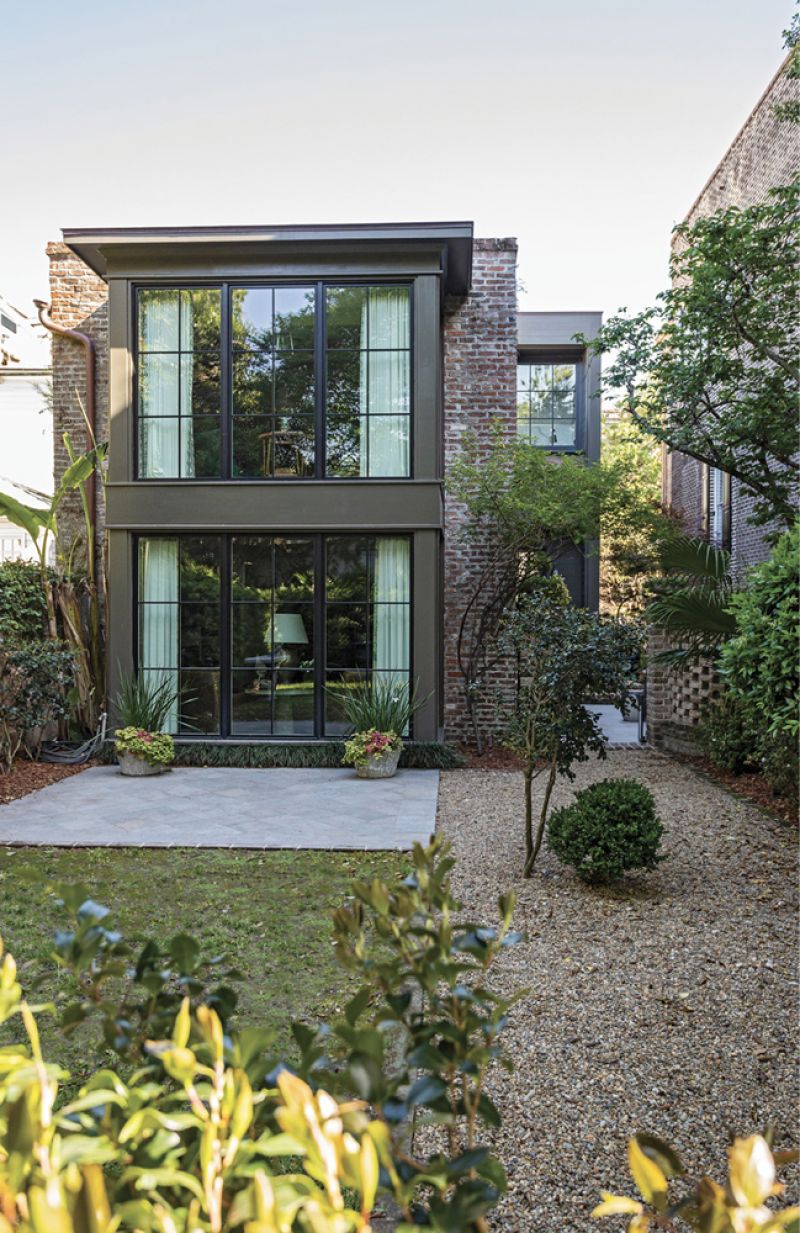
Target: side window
548,394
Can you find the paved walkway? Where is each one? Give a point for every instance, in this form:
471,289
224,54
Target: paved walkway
615,729
225,808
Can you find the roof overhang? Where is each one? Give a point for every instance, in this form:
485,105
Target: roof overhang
97,247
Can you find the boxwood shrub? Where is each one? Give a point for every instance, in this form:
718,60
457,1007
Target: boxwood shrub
611,826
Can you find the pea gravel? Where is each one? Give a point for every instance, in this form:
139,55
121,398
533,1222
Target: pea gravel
666,1003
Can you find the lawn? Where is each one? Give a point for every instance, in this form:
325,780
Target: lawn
269,912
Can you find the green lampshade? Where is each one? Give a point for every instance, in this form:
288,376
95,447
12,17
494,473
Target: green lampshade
288,629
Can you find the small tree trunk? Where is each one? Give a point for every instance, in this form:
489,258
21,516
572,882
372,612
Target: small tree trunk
533,847
529,852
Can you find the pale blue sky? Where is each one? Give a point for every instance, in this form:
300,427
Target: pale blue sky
585,129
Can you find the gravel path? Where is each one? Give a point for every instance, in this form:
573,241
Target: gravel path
668,1004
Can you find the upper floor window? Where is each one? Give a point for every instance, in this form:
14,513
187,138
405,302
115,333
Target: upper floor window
547,403
274,382
717,503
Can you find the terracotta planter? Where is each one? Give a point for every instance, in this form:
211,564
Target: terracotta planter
379,766
132,764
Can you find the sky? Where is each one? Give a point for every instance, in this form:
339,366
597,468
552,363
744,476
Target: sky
586,129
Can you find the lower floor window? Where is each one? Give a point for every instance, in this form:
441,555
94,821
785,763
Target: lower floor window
262,635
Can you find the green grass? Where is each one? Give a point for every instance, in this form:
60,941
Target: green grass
419,755
269,912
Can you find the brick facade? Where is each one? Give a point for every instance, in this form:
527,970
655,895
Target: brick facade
79,302
479,363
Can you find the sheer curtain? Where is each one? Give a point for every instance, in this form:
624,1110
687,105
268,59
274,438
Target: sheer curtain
383,388
166,385
390,650
158,590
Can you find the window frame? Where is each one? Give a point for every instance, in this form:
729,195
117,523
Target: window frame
552,356
319,603
226,288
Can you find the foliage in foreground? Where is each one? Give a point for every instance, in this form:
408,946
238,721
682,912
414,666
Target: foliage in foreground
155,748
144,702
610,827
381,705
421,755
565,655
23,611
711,370
738,1207
202,1135
692,597
759,664
35,679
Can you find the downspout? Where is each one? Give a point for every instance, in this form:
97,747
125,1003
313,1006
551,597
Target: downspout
89,355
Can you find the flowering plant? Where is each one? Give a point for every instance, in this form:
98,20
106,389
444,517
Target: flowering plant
371,744
155,748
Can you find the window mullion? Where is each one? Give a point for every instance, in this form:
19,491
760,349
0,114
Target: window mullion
320,382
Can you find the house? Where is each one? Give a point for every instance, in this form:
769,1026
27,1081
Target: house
26,421
762,156
282,405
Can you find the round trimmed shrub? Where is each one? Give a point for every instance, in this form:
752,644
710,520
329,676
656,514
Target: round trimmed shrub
611,826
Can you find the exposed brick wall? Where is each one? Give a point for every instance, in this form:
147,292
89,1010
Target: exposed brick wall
79,302
763,156
677,699
479,363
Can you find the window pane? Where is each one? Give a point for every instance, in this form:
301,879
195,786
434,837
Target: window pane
337,684
348,572
158,382
564,376
346,317
199,703
251,703
388,317
294,569
252,567
290,446
158,320
343,444
388,444
200,319
200,447
344,397
542,432
200,383
251,317
293,328
199,567
347,635
294,382
251,451
199,634
159,448
523,378
563,432
294,704
388,383
252,646
252,383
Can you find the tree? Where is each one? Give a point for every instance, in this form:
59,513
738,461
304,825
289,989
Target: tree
521,505
633,527
565,655
691,600
711,370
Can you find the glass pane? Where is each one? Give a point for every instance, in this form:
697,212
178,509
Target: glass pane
158,320
291,635
199,633
541,432
388,317
294,704
158,635
200,383
294,569
252,645
157,380
348,567
523,378
294,382
252,567
200,447
541,377
563,404
347,633
200,319
388,444
289,446
199,702
158,569
564,376
251,703
392,569
563,432
159,448
251,317
390,625
252,383
343,444
388,382
346,317
199,567
252,445
337,685
344,383
294,318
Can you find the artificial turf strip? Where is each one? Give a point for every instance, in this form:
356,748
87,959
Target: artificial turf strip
269,912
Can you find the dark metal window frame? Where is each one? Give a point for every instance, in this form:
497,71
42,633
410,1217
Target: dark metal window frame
319,602
226,288
563,355
724,540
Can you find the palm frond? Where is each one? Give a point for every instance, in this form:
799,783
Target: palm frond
695,558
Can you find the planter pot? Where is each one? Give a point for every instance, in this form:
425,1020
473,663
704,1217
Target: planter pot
132,764
379,766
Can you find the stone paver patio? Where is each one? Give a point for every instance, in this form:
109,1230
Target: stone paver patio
226,808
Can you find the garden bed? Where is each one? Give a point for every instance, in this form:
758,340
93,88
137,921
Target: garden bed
666,1003
25,777
753,787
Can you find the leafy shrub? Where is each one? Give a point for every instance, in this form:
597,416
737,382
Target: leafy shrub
179,1137
759,665
144,702
741,1206
156,748
610,827
726,739
421,755
365,745
23,611
35,679
383,705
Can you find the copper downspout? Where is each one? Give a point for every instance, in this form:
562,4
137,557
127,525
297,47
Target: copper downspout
89,351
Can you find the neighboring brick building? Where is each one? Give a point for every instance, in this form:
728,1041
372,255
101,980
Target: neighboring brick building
284,405
763,156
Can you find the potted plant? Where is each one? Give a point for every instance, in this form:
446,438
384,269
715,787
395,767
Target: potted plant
140,752
379,712
374,754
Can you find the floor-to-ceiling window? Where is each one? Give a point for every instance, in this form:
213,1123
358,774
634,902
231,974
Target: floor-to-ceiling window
274,382
263,634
